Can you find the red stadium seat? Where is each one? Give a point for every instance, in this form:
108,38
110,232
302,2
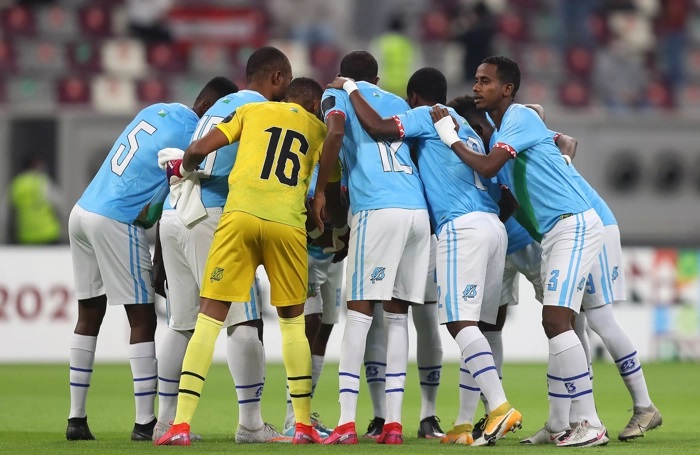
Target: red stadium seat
113,94
166,57
150,91
124,57
73,90
659,95
95,21
57,21
514,27
574,93
325,58
18,21
579,61
41,56
8,57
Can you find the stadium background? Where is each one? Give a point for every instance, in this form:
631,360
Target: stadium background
73,73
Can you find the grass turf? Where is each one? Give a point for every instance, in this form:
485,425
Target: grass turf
34,403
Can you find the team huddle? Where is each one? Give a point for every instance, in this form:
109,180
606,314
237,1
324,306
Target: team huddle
437,205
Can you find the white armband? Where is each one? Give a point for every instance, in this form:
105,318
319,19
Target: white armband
446,130
567,158
349,86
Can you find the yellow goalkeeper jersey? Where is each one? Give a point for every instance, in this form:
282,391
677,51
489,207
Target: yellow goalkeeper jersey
279,146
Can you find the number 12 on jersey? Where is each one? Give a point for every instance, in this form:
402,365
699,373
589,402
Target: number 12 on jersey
390,162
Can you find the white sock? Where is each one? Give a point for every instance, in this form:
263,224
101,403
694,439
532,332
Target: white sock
469,392
478,359
316,369
582,334
396,327
82,359
144,369
171,351
352,349
375,363
558,396
495,339
603,322
571,360
246,362
428,355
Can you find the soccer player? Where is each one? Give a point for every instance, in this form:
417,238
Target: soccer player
185,251
556,212
262,224
428,357
389,242
111,260
471,242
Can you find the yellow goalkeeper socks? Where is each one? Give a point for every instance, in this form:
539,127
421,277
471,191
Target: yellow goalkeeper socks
195,366
297,361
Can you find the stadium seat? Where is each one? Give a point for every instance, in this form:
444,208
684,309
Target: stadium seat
84,56
692,63
57,21
41,56
574,93
73,90
579,61
513,27
209,58
95,21
166,57
298,54
31,92
536,92
113,94
659,95
540,63
18,21
154,90
185,89
124,57
8,58
689,97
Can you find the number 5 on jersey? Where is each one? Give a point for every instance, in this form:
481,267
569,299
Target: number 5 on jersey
287,175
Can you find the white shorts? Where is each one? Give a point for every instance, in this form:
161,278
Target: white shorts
185,253
606,282
431,294
388,255
325,284
569,251
109,257
471,253
527,261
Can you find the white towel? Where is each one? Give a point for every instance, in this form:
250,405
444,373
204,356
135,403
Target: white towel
185,196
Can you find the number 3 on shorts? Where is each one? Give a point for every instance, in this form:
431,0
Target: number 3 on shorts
553,280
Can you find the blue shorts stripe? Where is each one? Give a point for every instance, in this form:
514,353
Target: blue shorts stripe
607,278
473,389
246,309
362,256
82,370
455,296
144,290
252,400
603,281
174,381
478,354
349,391
483,370
131,264
448,274
580,257
564,291
260,384
254,303
149,378
437,367
631,372
342,373
626,357
394,390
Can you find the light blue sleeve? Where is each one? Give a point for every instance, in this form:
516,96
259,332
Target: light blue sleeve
333,102
417,123
520,130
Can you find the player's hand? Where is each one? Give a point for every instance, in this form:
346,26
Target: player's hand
445,125
341,236
338,82
438,113
175,172
318,210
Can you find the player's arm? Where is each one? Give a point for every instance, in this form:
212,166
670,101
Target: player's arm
199,149
567,145
486,165
507,204
159,276
371,121
328,163
537,108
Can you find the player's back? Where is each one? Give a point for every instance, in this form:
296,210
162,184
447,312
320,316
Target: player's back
380,173
452,188
214,171
279,146
540,179
598,203
129,177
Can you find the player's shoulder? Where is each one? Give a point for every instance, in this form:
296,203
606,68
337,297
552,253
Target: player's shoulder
242,97
519,113
169,113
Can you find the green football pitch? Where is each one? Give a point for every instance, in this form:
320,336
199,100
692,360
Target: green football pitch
34,406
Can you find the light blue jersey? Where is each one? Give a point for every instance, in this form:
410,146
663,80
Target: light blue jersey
315,250
541,181
599,205
452,188
215,169
129,179
381,174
